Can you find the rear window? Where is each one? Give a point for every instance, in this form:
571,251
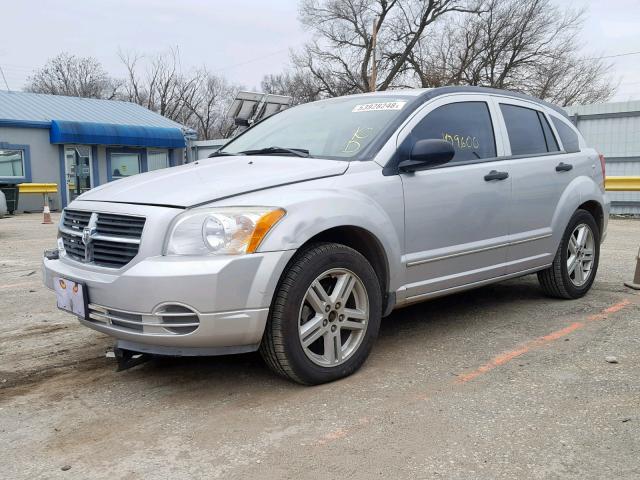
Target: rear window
526,131
569,138
466,125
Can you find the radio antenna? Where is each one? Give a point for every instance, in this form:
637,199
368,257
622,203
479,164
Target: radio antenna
4,78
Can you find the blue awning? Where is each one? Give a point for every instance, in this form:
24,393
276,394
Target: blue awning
114,134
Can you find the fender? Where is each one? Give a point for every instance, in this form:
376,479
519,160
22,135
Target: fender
580,190
319,210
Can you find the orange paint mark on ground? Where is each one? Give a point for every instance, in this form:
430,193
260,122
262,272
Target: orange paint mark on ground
538,342
336,434
342,432
617,307
423,397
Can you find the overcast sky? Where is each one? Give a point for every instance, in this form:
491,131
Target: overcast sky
241,39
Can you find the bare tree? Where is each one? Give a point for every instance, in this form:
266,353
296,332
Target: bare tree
197,99
340,56
208,103
157,83
299,85
74,76
530,46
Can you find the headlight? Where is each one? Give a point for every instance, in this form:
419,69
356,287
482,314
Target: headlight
221,230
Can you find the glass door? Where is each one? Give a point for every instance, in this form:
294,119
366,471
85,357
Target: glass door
78,170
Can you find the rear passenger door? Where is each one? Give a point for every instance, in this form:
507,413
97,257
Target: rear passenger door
456,215
540,173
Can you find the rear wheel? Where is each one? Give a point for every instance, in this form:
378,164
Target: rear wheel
325,315
576,262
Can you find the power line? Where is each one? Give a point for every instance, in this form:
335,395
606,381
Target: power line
228,67
26,68
16,68
613,56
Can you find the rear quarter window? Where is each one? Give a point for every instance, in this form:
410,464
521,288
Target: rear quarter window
568,136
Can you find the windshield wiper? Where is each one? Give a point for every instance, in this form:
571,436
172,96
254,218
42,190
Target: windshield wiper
298,152
222,154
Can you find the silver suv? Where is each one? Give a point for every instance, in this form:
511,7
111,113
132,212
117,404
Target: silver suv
309,227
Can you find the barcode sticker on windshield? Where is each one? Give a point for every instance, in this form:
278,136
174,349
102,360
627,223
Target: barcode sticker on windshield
374,107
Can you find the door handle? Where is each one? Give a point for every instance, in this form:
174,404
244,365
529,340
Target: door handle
563,167
496,175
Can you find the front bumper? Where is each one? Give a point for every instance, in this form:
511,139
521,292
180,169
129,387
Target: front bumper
228,298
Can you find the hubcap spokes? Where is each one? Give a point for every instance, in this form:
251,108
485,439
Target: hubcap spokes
333,317
580,255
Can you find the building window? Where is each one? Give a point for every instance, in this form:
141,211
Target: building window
15,163
157,159
124,164
12,165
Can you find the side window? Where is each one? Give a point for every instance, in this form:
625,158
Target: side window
525,130
466,125
552,143
567,135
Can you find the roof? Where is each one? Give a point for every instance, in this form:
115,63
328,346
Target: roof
424,94
37,108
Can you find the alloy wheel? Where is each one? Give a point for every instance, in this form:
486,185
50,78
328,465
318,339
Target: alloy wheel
333,317
580,255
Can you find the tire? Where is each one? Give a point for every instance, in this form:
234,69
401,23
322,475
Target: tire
559,280
307,308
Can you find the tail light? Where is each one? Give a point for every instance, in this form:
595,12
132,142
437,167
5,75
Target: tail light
603,165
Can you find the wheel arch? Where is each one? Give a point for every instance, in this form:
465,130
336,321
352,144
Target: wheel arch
596,211
581,193
368,245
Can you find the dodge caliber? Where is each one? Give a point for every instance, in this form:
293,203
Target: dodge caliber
301,233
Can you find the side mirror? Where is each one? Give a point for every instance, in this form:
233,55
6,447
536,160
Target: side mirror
427,154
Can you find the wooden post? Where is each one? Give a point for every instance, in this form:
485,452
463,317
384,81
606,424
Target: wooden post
374,69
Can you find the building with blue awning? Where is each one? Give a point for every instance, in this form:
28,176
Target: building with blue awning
80,143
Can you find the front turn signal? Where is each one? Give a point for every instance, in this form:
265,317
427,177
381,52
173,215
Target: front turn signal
263,225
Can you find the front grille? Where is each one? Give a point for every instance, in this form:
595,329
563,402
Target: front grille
168,319
113,254
73,246
76,219
110,240
119,225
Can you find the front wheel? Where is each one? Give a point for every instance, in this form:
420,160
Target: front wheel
576,262
325,315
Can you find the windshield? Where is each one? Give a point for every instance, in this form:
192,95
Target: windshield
339,128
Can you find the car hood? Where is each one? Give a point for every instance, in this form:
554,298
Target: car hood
213,179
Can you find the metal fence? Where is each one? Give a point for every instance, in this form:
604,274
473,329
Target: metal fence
614,130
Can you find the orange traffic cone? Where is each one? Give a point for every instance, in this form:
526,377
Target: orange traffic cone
635,284
46,213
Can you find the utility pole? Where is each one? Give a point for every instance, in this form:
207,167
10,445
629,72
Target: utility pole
374,69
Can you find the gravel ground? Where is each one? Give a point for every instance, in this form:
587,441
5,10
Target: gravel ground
496,383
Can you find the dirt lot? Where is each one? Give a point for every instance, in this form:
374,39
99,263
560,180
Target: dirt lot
496,383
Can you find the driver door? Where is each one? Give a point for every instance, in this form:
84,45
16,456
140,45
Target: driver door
457,214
